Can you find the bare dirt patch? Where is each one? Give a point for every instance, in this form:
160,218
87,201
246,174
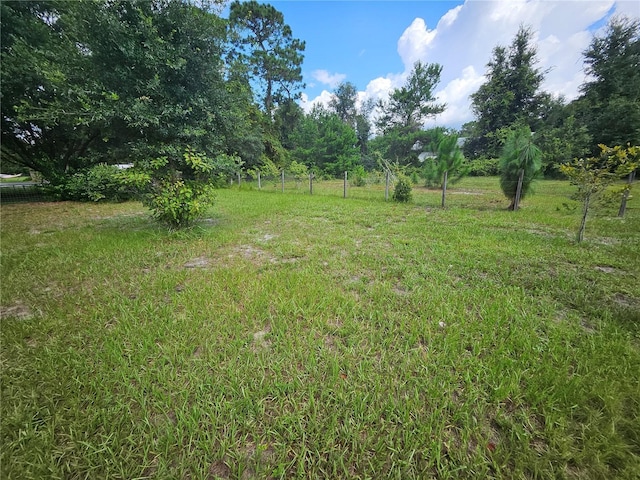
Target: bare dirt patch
626,301
267,236
198,262
463,192
219,470
330,342
260,342
401,290
197,353
606,269
18,310
253,254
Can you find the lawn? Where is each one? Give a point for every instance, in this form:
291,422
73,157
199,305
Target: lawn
310,336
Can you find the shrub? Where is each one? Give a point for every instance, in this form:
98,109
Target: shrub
402,190
179,187
484,167
358,177
98,183
178,203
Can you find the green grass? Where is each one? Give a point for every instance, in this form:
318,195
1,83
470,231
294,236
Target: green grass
298,336
24,178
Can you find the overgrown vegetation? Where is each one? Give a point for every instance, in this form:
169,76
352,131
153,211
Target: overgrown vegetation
299,336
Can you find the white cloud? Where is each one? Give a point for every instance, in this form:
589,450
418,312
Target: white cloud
466,35
464,38
449,18
323,99
455,95
333,80
414,42
629,8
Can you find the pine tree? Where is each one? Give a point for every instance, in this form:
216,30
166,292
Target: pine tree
509,96
520,163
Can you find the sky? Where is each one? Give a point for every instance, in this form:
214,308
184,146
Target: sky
374,44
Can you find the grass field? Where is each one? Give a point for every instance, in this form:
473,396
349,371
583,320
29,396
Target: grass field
298,336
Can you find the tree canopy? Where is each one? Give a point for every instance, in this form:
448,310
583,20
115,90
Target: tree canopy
410,105
510,95
265,43
101,81
610,104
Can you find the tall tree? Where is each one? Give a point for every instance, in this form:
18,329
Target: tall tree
325,143
364,126
510,95
403,115
287,117
610,105
410,105
405,147
266,44
88,82
343,102
560,136
48,121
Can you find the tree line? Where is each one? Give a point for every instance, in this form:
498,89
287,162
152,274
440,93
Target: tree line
190,98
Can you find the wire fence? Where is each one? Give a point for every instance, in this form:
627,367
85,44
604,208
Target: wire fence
377,186
372,186
24,192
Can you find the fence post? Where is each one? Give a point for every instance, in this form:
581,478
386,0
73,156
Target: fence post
282,180
311,184
345,185
386,186
259,183
238,178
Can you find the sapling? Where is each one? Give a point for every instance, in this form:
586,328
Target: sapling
593,175
520,163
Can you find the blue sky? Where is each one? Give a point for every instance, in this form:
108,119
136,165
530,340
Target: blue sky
374,44
354,38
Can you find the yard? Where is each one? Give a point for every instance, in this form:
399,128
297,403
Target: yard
310,336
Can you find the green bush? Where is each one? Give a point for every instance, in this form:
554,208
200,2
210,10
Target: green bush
179,203
99,183
358,177
484,167
402,190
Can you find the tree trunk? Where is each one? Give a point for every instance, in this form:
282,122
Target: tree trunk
516,200
268,99
444,187
625,195
583,222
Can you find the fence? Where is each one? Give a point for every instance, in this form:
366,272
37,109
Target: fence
379,186
24,192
